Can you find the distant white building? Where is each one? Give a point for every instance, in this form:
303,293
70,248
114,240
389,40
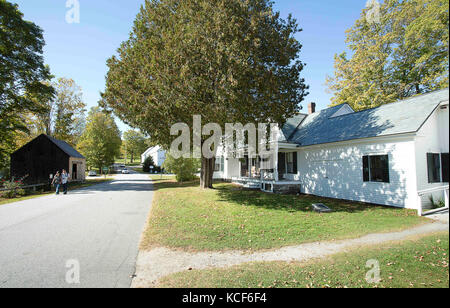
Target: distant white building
157,153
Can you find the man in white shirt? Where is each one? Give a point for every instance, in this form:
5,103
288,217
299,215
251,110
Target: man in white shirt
64,180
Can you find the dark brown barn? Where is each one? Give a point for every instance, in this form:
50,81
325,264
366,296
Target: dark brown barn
45,155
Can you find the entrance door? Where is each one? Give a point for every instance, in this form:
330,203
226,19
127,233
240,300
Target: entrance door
74,171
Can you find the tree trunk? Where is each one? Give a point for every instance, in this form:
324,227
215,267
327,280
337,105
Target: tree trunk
418,89
207,172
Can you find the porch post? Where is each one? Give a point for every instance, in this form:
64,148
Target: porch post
446,198
276,176
419,205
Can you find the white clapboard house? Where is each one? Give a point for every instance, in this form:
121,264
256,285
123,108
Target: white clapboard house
387,155
157,153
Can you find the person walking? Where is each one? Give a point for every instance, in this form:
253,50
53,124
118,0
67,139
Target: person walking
57,181
64,181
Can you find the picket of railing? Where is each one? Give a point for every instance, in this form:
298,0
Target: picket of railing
429,191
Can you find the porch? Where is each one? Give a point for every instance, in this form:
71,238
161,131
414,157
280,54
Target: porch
271,186
254,172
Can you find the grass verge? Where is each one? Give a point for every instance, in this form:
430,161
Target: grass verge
228,217
421,263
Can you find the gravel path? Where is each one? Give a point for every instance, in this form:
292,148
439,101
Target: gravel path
157,263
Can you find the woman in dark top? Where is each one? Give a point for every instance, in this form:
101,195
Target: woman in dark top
57,181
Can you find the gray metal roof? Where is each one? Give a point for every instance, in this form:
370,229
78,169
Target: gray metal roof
291,125
406,116
69,150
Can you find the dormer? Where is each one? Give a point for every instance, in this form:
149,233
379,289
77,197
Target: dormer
345,109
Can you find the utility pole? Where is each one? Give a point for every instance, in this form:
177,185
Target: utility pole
126,153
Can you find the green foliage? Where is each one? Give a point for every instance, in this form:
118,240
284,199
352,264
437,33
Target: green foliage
101,140
23,75
183,168
14,189
147,164
134,143
436,204
228,60
405,54
65,119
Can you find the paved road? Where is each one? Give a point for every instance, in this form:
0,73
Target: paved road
98,227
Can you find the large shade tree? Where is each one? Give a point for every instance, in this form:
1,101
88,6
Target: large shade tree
101,140
230,61
399,51
23,75
63,117
134,143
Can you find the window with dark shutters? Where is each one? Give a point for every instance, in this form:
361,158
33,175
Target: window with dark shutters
434,167
445,171
366,169
281,163
376,168
295,163
220,164
379,168
291,163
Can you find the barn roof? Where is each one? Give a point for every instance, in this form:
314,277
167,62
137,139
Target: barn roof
406,116
65,147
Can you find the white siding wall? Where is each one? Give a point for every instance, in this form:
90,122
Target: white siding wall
433,137
336,171
158,155
232,168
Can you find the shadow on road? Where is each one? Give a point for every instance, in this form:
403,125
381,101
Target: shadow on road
116,186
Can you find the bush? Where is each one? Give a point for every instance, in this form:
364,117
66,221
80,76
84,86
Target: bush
14,189
147,164
183,168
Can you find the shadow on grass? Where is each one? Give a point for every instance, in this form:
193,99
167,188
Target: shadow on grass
290,203
172,183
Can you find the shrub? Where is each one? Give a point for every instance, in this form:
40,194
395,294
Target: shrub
14,189
437,205
183,168
147,164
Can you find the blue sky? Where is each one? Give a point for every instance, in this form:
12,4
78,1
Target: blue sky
79,51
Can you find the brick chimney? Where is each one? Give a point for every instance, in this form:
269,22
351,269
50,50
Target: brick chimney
312,108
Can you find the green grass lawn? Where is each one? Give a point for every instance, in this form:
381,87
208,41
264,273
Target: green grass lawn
136,161
421,263
228,217
157,178
138,170
72,186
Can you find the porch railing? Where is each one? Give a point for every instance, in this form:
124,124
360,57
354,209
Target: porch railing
429,191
